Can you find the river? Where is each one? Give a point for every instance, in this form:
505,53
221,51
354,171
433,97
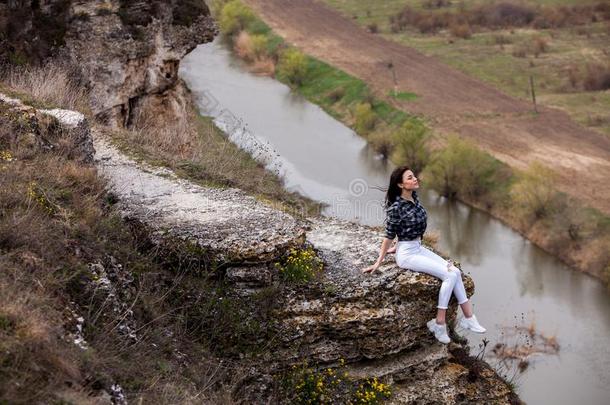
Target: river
517,284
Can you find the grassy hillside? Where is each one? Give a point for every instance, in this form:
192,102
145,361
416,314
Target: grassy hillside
564,46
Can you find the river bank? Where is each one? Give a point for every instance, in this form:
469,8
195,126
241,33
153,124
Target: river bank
577,235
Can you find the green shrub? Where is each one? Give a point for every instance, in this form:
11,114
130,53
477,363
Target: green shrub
365,118
292,66
258,27
410,145
216,6
259,45
534,193
382,143
234,17
463,170
301,266
250,47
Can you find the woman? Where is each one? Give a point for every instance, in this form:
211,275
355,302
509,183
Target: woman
407,219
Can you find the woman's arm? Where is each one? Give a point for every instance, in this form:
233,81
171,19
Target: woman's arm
385,245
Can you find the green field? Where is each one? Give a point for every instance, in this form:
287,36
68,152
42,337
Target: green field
505,58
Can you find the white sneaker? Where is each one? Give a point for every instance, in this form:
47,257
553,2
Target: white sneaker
472,324
440,331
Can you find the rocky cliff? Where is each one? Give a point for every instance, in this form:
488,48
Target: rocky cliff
373,324
127,52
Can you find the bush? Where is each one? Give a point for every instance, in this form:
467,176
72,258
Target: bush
216,6
501,14
505,14
539,45
234,17
301,266
597,77
382,143
365,118
463,170
410,146
534,194
293,66
251,47
461,31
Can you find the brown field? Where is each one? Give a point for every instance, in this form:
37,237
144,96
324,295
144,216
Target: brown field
451,101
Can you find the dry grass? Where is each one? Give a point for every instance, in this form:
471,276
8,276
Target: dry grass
250,47
253,49
520,345
539,45
50,84
263,67
56,218
29,342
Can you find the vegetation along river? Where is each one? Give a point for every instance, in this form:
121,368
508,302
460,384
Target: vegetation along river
524,296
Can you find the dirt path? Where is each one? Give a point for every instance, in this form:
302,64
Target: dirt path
452,101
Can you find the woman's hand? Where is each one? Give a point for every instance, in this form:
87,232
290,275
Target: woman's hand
384,248
372,269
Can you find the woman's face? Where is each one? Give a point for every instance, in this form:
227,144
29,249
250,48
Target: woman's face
409,181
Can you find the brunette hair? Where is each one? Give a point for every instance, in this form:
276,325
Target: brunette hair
393,189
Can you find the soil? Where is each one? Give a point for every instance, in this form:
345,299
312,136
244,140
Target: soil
451,101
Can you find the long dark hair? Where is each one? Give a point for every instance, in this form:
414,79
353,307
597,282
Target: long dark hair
393,189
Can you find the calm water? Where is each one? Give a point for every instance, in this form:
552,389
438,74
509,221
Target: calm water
516,283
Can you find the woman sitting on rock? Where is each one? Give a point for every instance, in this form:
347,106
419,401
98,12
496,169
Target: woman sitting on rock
407,219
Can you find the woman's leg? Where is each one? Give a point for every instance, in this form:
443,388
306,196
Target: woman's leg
458,290
418,262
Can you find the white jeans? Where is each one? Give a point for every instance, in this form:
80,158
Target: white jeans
414,256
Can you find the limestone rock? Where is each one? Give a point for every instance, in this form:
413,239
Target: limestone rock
356,316
249,280
227,225
125,64
60,125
